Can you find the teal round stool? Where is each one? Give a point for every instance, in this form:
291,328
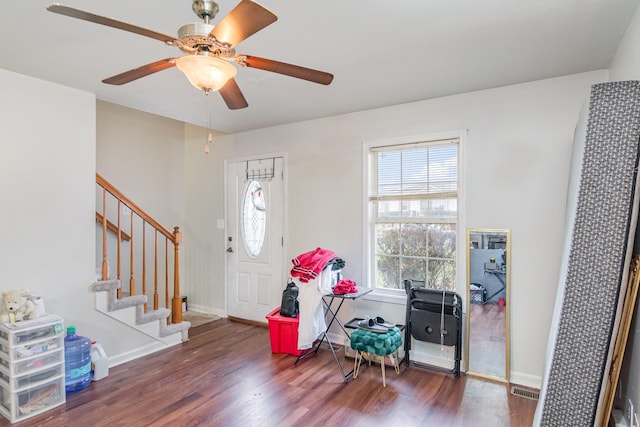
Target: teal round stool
373,345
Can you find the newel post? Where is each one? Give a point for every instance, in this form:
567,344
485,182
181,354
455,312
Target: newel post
176,302
105,263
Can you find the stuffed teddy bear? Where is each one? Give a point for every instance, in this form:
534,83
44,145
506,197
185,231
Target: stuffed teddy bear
17,305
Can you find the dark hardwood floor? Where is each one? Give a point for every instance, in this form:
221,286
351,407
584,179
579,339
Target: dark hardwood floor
226,376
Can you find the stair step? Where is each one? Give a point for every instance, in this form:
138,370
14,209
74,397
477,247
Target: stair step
141,317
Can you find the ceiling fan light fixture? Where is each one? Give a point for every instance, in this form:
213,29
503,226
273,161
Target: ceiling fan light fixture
207,73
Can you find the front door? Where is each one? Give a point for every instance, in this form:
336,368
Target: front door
255,198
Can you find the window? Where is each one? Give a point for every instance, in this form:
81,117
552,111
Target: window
413,206
254,219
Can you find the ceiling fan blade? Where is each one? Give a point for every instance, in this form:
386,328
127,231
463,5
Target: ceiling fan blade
136,73
232,95
88,16
246,19
288,69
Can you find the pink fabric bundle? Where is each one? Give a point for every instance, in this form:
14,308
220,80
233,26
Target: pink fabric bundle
308,265
345,286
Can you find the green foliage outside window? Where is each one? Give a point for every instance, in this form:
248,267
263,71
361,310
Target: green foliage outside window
423,252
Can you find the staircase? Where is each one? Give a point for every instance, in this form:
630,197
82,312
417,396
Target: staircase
131,311
148,255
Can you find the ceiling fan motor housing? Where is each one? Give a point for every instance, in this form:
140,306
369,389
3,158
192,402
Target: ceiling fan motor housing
205,9
195,38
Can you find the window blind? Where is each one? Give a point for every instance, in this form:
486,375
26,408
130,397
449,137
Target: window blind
416,171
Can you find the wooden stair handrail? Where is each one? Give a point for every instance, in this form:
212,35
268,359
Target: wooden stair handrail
174,237
129,203
113,228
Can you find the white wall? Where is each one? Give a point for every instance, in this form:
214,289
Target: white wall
140,153
626,63
516,167
204,243
47,176
626,66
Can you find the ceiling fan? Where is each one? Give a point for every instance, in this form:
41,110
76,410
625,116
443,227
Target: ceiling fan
209,50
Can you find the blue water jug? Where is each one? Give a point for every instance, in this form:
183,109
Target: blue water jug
77,361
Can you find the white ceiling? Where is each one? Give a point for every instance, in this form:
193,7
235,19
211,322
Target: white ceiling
381,53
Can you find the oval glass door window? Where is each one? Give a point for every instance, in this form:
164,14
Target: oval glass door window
254,219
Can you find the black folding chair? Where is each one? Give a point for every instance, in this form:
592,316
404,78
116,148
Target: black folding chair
433,316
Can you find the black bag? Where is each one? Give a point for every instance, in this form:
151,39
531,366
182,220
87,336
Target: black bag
289,306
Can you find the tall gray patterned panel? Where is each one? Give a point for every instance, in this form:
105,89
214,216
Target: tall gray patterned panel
597,257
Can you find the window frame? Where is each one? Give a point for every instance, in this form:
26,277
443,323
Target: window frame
246,241
369,179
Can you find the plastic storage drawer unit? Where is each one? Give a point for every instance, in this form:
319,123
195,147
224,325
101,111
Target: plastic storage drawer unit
33,377
33,400
31,367
29,364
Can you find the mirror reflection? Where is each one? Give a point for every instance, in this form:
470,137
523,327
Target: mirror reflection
488,261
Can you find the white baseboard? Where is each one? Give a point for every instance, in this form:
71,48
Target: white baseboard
432,360
136,353
336,338
527,380
518,378
206,310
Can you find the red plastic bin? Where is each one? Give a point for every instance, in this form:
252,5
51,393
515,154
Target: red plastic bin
284,333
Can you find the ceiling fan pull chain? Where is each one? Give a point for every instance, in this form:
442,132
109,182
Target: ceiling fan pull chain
209,132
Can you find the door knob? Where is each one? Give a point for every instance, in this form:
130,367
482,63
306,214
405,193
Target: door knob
230,249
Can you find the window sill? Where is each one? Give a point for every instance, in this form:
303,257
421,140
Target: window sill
389,297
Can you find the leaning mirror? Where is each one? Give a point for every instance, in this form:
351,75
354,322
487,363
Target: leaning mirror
488,282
